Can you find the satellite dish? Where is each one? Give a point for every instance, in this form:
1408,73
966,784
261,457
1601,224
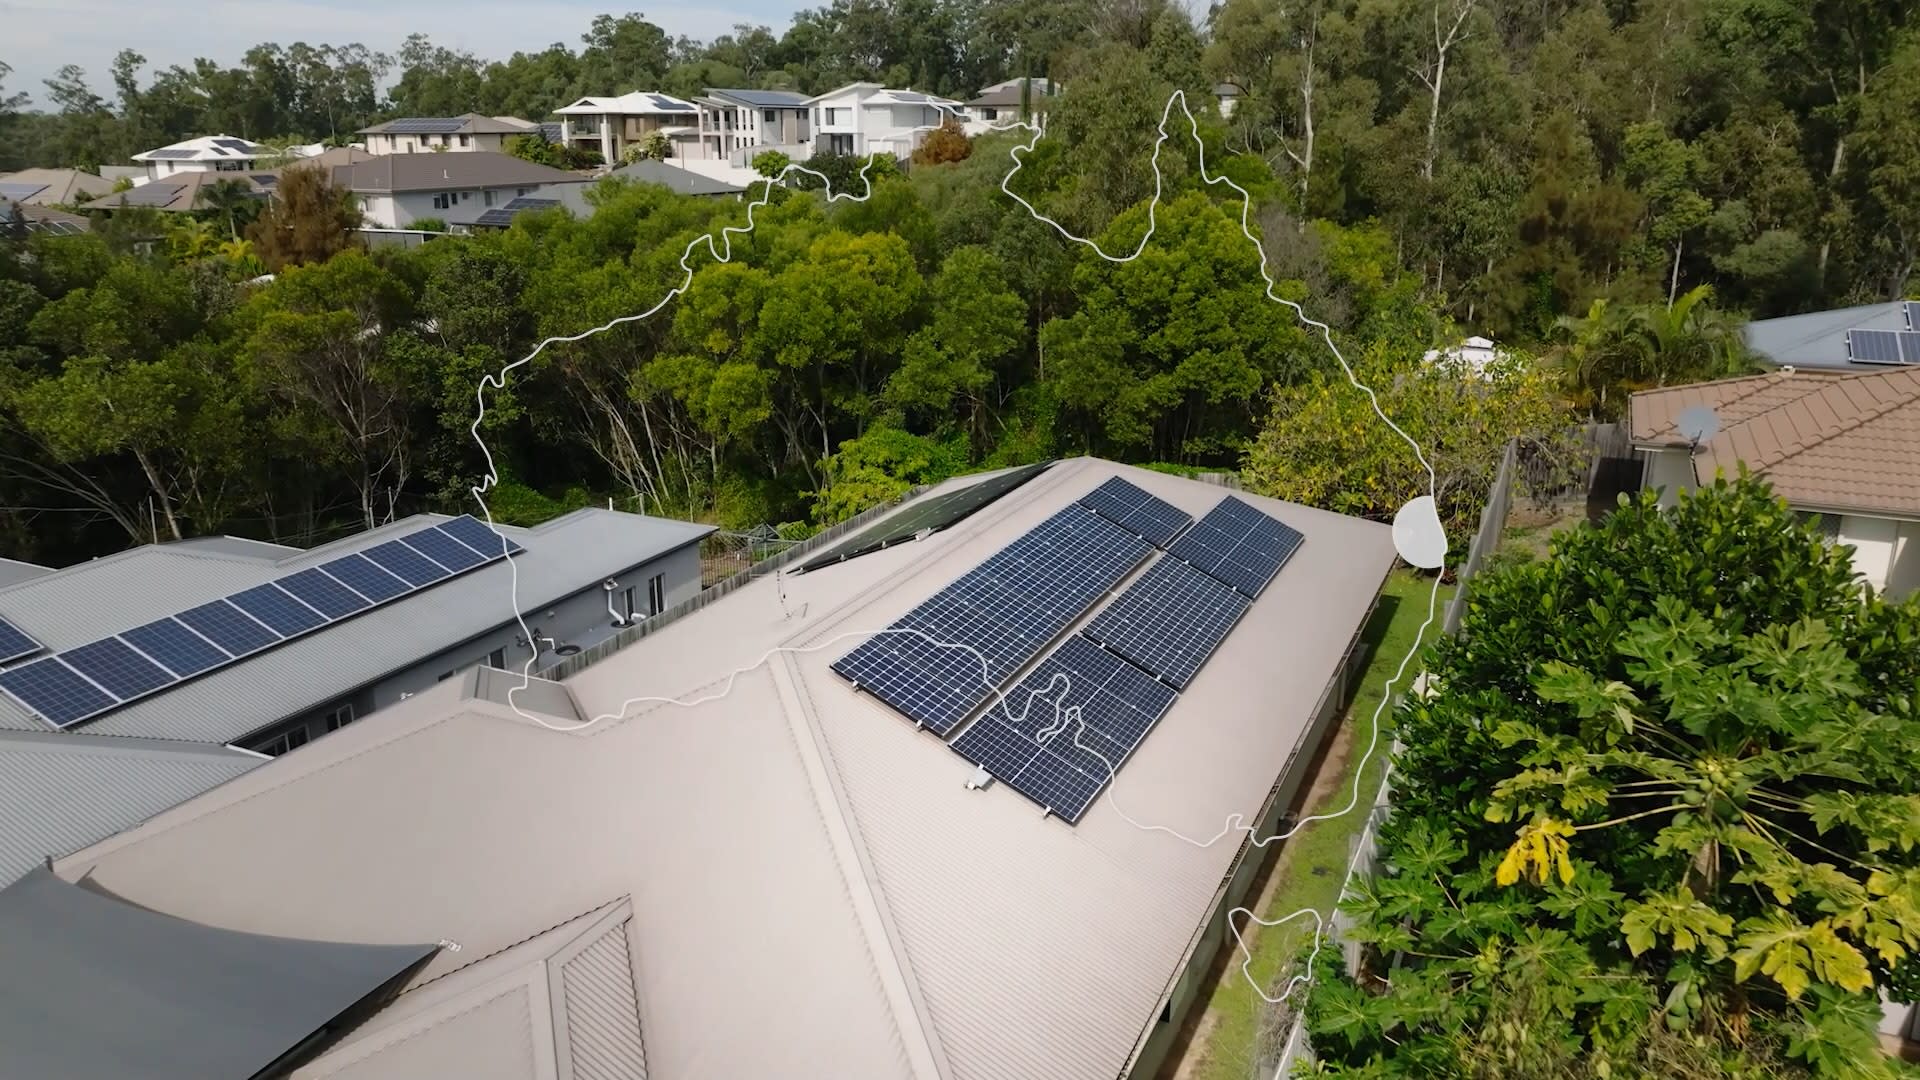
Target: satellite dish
1417,534
1698,423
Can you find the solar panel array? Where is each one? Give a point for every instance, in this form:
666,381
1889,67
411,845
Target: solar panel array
1238,546
424,125
20,191
1058,758
15,643
150,195
55,228
82,682
1911,309
1170,621
240,145
667,104
502,216
1007,609
1152,519
1873,346
936,513
172,155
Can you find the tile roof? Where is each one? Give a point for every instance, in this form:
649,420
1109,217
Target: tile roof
1835,442
794,851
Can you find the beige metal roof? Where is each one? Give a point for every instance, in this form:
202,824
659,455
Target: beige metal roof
1836,442
813,886
59,187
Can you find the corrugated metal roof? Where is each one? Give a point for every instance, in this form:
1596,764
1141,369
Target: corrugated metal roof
765,99
13,571
60,792
603,1016
1837,442
1818,339
102,597
794,851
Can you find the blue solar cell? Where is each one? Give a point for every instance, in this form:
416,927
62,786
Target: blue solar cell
1053,782
994,746
407,564
1238,546
474,533
323,594
15,642
56,692
116,667
228,627
1145,515
278,609
363,577
177,648
937,699
443,549
1169,621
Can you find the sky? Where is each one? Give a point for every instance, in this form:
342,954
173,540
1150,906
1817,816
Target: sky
38,36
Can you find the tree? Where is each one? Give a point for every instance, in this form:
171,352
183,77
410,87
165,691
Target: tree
771,163
1660,785
943,144
1889,163
309,220
231,202
978,327
1666,171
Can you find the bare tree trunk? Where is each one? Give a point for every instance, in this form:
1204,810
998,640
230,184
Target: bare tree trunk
1673,282
159,492
1304,159
1443,42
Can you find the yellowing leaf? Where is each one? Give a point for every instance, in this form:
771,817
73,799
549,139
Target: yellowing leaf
1538,851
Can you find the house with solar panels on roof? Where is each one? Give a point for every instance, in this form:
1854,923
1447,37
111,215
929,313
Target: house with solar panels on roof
183,661
894,804
1854,339
737,124
208,153
611,124
443,134
868,118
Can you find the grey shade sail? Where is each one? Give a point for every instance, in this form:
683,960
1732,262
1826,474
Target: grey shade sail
93,986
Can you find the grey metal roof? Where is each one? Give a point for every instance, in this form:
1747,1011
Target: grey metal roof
60,791
238,546
90,600
684,181
97,987
923,929
441,172
1818,339
765,99
13,571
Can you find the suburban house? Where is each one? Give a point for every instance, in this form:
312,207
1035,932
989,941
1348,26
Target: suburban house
180,192
1470,356
735,125
40,219
570,197
1844,448
611,124
1845,339
395,190
209,153
52,187
764,807
1002,103
453,134
130,679
867,118
1228,95
684,181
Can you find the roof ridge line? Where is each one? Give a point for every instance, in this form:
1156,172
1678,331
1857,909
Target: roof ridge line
1860,419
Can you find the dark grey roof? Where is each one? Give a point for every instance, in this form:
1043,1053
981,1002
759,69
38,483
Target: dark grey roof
60,791
443,172
765,99
90,600
94,986
465,124
684,181
1818,339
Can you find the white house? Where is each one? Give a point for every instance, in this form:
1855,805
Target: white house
467,133
867,118
735,125
1002,103
396,190
1844,449
1470,356
611,124
208,153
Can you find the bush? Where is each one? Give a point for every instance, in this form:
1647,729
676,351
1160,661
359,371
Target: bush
769,163
944,144
428,224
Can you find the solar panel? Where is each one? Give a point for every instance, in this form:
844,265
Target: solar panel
1237,545
931,514
1169,621
1152,519
1909,347
1912,311
444,550
530,202
407,564
55,691
1005,610
474,533
20,191
173,155
114,666
56,228
667,104
1040,774
237,144
265,180
1873,346
177,648
150,195
228,627
363,577
278,609
323,594
425,125
15,643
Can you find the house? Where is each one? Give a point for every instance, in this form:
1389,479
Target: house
395,190
1845,339
1008,101
128,676
1471,356
683,181
570,197
52,187
611,124
467,133
867,118
1844,448
180,192
1228,95
209,153
43,220
714,822
735,125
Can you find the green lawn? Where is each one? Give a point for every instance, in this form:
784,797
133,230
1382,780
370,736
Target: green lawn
1314,861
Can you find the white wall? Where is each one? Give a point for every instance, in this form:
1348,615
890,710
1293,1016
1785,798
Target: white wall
1903,573
1874,541
1671,470
402,210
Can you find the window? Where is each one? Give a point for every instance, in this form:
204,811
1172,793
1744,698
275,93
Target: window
335,719
1827,524
656,594
442,200
291,739
230,166
463,140
445,675
409,146
769,115
521,191
497,659
833,115
486,197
